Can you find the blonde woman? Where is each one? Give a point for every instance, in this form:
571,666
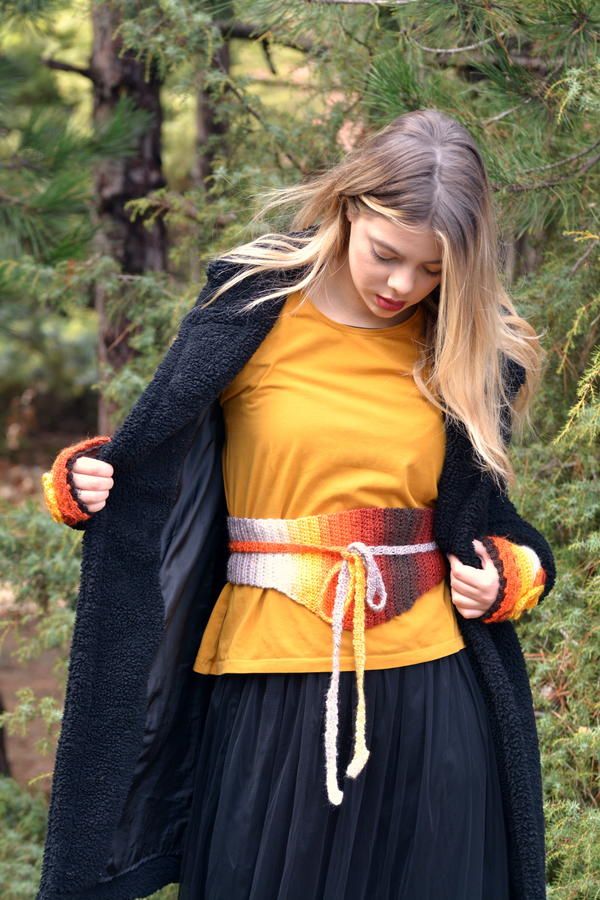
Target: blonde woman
296,672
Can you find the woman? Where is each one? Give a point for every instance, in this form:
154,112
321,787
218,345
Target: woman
360,722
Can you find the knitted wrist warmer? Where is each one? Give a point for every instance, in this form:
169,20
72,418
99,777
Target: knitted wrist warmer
57,483
522,578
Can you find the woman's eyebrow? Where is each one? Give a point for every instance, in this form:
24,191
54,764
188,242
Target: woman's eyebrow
393,250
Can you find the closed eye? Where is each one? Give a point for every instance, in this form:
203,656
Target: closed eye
389,259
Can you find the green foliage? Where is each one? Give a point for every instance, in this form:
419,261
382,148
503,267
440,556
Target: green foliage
42,565
572,859
582,423
559,491
150,31
584,416
23,818
45,210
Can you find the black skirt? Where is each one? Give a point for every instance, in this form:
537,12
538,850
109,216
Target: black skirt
422,821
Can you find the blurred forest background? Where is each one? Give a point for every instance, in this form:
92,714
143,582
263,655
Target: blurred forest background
136,138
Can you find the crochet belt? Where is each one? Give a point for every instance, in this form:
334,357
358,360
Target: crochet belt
355,569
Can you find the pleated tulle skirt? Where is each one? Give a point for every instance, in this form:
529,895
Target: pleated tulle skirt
422,821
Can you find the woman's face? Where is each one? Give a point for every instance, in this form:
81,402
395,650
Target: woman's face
387,262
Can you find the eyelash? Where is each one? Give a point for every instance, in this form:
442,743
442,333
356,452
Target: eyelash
383,259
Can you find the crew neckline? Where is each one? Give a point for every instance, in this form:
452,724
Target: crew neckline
357,329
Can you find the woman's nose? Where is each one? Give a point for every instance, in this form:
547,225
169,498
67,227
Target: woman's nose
401,281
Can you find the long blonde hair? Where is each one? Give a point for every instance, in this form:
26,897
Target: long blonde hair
423,170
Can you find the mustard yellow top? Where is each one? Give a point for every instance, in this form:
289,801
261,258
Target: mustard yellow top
325,417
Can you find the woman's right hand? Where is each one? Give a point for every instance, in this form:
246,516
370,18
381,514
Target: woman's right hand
92,479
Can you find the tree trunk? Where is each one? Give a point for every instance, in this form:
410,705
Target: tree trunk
135,247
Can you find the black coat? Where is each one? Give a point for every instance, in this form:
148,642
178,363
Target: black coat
153,564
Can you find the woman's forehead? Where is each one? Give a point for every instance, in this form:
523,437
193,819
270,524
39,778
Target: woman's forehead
400,238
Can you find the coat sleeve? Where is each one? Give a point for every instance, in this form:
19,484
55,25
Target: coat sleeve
57,483
521,554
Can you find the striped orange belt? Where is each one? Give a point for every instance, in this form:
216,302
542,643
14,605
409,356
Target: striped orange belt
355,569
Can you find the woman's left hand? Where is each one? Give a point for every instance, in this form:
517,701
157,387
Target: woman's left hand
473,590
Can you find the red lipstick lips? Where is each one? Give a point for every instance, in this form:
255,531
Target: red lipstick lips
389,304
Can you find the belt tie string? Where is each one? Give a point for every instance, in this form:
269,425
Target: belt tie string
358,579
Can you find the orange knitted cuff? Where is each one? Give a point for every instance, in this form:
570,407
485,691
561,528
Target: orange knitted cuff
58,486
522,578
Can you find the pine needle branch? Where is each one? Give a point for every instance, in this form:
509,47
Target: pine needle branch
450,50
241,31
540,185
564,161
579,262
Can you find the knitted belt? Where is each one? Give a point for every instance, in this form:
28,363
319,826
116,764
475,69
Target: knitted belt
337,564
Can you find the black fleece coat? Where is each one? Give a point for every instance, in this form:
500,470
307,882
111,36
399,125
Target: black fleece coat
153,564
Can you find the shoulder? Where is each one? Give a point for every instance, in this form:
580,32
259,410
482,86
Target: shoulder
251,287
